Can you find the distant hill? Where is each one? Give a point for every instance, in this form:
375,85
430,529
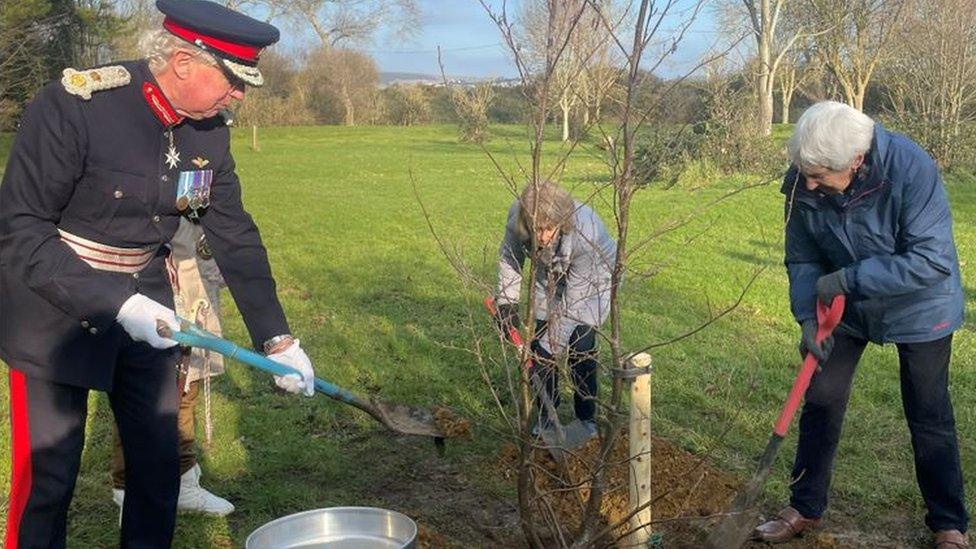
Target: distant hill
387,78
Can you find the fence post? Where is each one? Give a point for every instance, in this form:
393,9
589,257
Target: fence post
640,448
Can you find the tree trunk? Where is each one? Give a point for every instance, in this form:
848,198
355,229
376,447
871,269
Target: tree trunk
787,100
350,118
766,105
565,108
766,75
859,97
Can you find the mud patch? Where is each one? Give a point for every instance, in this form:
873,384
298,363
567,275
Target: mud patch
427,538
688,496
451,510
454,510
451,424
684,488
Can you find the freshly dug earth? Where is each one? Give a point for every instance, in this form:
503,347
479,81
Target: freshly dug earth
684,488
451,424
452,511
687,493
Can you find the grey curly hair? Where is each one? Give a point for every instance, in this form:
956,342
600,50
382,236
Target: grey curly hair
158,45
545,205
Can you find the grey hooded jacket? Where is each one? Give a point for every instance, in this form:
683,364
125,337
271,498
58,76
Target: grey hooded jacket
572,283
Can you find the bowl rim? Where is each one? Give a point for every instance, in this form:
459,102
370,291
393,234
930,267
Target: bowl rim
376,510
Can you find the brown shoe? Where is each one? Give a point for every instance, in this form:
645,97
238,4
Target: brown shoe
788,524
951,539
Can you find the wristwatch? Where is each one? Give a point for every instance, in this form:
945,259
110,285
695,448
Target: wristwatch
277,343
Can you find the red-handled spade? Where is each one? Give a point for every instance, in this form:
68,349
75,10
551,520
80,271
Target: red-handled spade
739,522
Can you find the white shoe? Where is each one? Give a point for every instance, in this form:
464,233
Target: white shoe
118,496
194,497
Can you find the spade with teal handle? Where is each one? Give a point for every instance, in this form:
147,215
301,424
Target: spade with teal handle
400,418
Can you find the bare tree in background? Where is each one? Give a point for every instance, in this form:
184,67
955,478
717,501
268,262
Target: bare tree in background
21,70
856,39
141,16
354,78
584,74
800,65
471,106
407,104
931,81
765,20
339,84
542,23
352,22
598,60
38,40
284,98
799,69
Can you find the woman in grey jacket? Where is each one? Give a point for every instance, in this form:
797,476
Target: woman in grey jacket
574,256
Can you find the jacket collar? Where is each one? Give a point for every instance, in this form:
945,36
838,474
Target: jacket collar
157,103
881,143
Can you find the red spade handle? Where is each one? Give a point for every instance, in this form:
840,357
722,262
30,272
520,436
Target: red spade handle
827,320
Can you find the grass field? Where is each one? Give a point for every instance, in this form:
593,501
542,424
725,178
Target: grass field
378,307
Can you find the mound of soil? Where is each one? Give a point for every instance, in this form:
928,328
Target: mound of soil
453,511
688,494
683,486
451,424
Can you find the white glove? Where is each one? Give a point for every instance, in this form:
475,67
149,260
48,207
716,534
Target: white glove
138,316
296,358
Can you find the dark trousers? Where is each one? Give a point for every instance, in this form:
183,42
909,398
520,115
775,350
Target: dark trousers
48,434
186,425
928,409
582,367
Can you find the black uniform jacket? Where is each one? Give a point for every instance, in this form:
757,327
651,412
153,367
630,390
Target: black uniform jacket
97,169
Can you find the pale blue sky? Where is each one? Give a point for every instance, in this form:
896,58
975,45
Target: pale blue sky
473,45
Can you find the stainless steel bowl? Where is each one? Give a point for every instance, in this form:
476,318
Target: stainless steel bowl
337,528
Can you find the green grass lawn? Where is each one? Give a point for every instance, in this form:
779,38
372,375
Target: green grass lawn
378,307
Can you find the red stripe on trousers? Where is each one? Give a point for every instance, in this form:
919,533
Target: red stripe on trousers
20,478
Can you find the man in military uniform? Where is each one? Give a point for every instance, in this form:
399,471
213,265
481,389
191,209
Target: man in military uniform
105,164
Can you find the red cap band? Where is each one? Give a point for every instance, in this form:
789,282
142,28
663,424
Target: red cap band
243,52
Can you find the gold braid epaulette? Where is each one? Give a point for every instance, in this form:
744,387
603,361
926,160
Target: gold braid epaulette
83,83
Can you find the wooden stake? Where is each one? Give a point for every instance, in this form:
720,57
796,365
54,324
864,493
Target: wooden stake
254,139
640,450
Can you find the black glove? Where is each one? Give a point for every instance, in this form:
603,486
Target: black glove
830,286
506,317
808,342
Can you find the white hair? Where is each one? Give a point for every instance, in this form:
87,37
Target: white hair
158,45
829,135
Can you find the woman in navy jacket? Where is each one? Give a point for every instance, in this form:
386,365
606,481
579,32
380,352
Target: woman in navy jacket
867,216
